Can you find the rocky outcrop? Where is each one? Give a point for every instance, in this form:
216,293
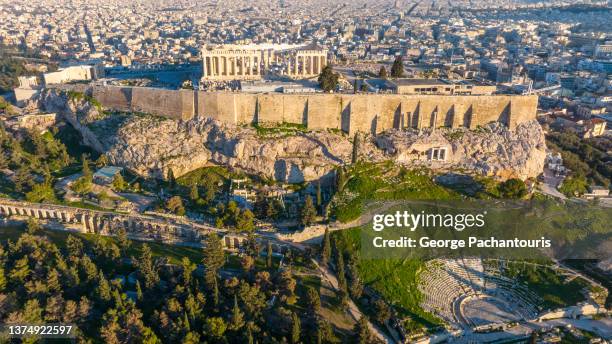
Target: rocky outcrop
492,150
150,145
77,111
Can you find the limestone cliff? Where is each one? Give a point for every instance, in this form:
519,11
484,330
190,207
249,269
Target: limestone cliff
77,111
150,145
492,150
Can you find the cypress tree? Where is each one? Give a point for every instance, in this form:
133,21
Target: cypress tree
397,70
356,144
2,279
138,291
382,73
362,331
308,213
319,197
269,255
326,248
340,269
237,320
295,328
193,193
340,179
170,178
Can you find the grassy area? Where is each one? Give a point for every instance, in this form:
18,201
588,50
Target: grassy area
202,176
279,130
385,181
396,280
303,283
174,253
552,287
586,158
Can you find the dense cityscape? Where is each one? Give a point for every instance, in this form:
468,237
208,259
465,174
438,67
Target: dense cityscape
210,172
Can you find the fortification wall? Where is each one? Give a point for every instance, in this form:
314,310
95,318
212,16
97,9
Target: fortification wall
157,101
371,113
114,97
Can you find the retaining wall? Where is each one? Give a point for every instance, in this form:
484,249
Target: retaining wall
371,113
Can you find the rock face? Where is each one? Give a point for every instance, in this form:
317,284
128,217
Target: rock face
76,111
151,145
493,150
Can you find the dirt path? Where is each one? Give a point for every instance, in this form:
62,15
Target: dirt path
353,309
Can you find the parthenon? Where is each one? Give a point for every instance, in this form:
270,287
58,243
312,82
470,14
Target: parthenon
253,62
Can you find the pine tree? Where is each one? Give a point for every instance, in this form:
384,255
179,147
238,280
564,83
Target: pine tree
356,146
74,246
104,290
213,260
119,183
188,269
326,248
2,279
295,328
328,80
21,270
308,213
53,281
33,227
194,195
146,267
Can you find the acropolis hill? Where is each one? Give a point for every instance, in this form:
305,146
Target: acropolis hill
369,113
194,129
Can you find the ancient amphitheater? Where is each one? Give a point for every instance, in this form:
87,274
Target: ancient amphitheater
468,294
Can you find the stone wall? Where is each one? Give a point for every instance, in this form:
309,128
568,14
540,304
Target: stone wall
141,227
372,113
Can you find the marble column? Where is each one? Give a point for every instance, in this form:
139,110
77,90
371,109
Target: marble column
260,65
204,73
311,65
243,70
